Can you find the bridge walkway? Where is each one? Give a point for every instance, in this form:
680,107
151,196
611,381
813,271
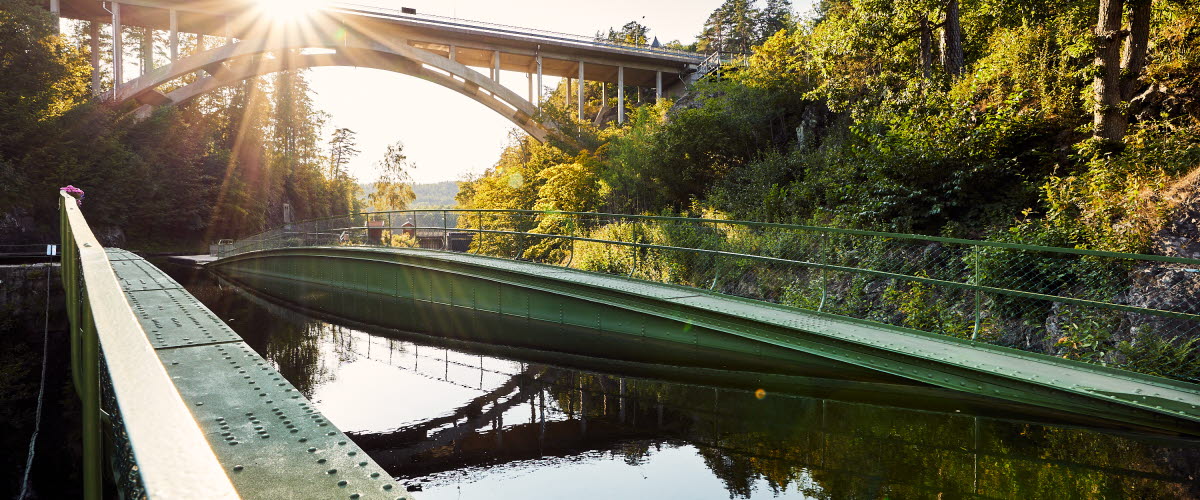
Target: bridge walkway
269,438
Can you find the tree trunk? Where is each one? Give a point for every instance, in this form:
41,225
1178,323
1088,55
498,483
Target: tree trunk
952,52
926,46
1109,121
1134,58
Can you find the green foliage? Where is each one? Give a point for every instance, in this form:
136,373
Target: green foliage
393,190
630,261
632,32
921,307
1087,335
1154,355
228,164
1120,200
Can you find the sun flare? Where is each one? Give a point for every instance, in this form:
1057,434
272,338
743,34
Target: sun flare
290,10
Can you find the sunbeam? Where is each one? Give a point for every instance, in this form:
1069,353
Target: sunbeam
290,10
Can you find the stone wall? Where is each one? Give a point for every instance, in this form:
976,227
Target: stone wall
24,290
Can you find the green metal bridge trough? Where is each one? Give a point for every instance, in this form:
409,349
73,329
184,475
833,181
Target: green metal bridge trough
643,320
179,404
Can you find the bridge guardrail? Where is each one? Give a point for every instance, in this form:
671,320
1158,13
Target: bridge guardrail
159,450
509,29
1137,312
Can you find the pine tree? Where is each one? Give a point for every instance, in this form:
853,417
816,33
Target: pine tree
776,16
732,27
342,149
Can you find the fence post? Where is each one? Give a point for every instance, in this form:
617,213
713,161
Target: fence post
634,249
479,220
824,275
571,255
978,295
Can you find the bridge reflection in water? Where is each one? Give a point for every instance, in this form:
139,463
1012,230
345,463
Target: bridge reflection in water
476,421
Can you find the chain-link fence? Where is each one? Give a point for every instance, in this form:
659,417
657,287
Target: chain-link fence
1138,312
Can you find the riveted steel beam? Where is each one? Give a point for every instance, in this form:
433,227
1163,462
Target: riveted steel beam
638,310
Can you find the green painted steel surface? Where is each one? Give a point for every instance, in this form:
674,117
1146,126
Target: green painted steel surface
267,436
479,287
155,447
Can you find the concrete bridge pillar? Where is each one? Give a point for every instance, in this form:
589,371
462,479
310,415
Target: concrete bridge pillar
56,10
496,65
567,95
621,95
94,46
147,52
453,52
118,47
582,86
603,95
657,86
174,35
539,81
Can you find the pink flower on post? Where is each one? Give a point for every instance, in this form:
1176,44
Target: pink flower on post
74,191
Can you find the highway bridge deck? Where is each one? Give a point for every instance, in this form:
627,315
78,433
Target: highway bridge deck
270,439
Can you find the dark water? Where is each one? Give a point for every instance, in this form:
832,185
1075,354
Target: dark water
470,421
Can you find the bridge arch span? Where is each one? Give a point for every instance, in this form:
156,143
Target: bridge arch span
235,62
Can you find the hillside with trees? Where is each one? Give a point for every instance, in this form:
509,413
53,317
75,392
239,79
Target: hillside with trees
1039,121
1056,123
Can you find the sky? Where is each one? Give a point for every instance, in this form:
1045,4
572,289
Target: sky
446,135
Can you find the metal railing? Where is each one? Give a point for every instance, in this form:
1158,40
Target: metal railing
1137,312
125,392
28,251
556,36
716,61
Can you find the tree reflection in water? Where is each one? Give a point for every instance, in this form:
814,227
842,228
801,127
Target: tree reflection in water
789,441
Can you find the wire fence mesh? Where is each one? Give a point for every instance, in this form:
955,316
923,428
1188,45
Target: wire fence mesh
1137,312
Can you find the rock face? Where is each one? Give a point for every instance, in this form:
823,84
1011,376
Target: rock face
1180,237
23,291
110,236
19,228
1167,286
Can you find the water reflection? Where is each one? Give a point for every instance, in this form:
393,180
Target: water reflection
463,421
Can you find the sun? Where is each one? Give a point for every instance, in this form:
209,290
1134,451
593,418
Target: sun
289,10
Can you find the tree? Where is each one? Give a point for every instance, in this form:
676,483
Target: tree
776,16
952,51
393,189
732,27
632,32
342,149
1116,74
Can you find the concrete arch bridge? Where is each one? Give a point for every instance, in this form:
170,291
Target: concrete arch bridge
465,56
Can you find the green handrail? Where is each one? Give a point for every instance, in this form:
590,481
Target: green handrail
173,459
